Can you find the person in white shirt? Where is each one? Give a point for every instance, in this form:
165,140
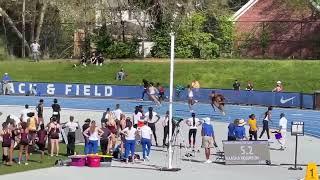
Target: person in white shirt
193,124
283,130
35,48
152,118
72,126
24,113
191,101
146,135
117,112
130,141
137,116
93,133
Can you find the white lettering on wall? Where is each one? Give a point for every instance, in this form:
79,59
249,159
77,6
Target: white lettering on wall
68,89
86,90
20,89
107,91
96,93
50,89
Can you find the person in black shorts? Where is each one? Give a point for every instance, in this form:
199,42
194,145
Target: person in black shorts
56,110
24,142
41,140
40,112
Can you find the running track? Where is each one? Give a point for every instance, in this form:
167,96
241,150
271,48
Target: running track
311,118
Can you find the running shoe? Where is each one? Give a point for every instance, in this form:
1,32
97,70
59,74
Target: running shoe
208,161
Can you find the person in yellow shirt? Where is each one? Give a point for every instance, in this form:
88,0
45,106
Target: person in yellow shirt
252,122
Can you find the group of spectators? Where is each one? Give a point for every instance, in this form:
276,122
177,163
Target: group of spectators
237,86
95,58
28,132
237,131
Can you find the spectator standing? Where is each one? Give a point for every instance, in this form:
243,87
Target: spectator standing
240,131
137,116
193,124
283,130
236,85
35,48
146,136
252,122
85,126
72,127
130,141
152,118
24,142
41,140
249,86
279,87
105,138
93,133
265,122
39,110
24,113
56,110
208,139
54,131
7,85
231,128
165,124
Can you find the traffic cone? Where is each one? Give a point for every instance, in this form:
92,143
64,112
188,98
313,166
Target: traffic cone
312,172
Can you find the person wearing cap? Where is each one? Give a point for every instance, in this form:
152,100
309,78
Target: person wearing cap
240,131
208,139
252,122
35,48
39,110
283,130
278,88
146,136
7,85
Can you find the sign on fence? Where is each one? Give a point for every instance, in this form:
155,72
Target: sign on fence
246,152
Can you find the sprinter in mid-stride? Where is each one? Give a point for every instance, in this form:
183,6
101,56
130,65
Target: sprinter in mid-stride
217,100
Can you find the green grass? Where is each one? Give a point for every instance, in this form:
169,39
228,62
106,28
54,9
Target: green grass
34,161
297,75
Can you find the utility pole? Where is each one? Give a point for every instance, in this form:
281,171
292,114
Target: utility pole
23,28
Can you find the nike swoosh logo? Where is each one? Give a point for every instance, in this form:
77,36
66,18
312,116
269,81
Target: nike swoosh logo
283,101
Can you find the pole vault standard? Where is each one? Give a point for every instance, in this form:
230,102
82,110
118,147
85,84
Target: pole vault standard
170,152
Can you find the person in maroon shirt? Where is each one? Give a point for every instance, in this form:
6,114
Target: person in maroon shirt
42,136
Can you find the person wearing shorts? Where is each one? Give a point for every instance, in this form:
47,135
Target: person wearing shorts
54,131
217,100
56,110
24,142
40,112
208,139
6,143
41,140
191,101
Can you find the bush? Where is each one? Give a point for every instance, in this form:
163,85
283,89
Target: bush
123,50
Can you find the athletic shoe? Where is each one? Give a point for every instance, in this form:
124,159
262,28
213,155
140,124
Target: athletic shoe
26,163
147,158
19,162
223,113
208,161
196,101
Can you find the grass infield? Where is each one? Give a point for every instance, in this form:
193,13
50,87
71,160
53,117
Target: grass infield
297,75
34,162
